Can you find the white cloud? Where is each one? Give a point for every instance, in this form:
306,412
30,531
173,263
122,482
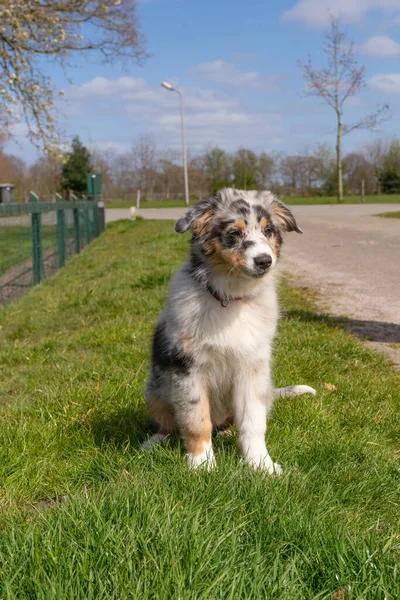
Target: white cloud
136,95
315,13
101,87
387,83
380,45
123,108
206,119
228,74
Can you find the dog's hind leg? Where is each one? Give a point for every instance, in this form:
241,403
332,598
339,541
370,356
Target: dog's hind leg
194,423
162,414
155,440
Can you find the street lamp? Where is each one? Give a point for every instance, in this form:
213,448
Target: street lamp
170,88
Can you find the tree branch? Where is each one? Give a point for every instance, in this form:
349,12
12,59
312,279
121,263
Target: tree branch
33,28
370,121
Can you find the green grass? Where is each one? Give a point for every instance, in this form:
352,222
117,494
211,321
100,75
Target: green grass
16,244
85,515
389,215
289,200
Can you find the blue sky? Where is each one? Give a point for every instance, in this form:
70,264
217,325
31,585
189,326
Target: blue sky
236,64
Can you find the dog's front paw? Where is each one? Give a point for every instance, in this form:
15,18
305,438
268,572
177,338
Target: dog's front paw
264,463
275,470
202,461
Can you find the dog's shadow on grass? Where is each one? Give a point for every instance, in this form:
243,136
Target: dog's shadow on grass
132,426
128,426
373,331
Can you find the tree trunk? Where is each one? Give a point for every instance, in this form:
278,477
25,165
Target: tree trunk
339,160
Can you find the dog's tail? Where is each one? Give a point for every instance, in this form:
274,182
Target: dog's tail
293,390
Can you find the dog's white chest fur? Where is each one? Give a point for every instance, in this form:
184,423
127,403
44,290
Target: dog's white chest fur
228,342
241,330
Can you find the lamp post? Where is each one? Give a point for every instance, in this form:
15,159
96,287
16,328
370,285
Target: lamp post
170,88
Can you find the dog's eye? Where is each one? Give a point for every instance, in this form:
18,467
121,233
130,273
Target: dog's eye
235,233
267,231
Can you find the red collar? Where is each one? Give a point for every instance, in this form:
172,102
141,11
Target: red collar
224,300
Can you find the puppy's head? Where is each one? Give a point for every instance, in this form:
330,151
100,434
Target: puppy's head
238,232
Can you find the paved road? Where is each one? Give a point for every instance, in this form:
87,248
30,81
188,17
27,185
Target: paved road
351,257
114,214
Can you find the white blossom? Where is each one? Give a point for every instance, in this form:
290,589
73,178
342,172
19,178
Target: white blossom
33,28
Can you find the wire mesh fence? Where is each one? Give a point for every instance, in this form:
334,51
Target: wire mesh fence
37,238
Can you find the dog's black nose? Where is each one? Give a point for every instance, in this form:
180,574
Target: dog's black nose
263,261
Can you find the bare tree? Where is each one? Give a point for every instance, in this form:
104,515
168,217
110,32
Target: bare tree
199,183
266,168
124,177
310,170
291,170
144,157
357,170
335,83
376,152
217,166
34,29
4,135
14,170
45,177
169,169
101,162
244,168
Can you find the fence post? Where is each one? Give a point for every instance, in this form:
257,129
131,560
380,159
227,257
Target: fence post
362,191
89,227
95,220
86,223
101,216
77,234
138,199
37,248
60,233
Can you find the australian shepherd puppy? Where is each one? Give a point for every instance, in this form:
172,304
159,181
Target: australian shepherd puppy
211,357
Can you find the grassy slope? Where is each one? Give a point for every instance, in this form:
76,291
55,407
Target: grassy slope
289,200
389,215
74,354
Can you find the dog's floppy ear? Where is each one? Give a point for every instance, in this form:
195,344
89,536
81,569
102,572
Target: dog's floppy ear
284,217
198,217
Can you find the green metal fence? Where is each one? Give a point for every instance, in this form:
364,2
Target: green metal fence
37,238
